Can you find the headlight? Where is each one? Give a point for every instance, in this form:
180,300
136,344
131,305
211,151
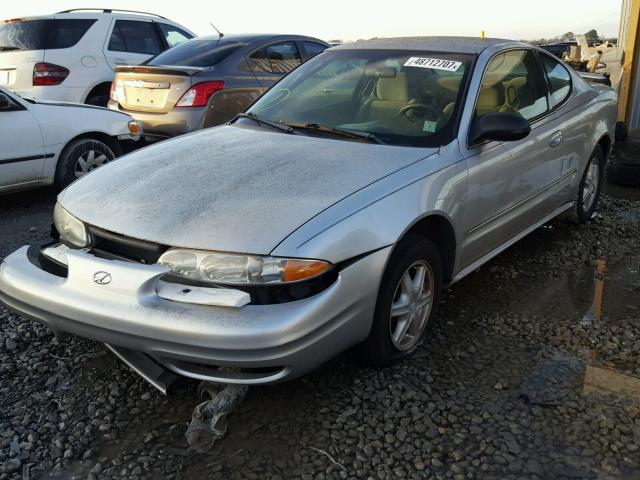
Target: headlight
71,230
232,268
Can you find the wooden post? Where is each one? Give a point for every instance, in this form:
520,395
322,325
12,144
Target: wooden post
629,67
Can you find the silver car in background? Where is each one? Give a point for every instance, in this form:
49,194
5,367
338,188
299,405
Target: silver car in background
328,217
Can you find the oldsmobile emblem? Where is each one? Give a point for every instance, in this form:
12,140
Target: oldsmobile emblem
102,278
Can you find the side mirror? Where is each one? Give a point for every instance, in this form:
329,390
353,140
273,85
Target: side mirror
4,101
499,126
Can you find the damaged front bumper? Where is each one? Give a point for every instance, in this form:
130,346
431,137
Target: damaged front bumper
261,343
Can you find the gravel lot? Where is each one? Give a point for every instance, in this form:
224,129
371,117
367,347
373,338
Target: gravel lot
519,381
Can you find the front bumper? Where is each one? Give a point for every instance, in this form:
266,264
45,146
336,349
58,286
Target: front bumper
158,126
263,343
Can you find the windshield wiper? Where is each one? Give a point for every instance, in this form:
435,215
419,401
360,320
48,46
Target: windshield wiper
341,132
262,121
8,48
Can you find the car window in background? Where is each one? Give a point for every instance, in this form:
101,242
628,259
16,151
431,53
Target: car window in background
313,48
42,34
135,37
277,58
514,83
173,35
197,53
559,80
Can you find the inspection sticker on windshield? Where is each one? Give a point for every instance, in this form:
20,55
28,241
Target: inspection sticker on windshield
435,63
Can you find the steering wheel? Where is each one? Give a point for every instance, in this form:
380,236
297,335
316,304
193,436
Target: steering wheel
429,111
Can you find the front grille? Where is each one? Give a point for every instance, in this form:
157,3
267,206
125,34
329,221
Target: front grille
110,245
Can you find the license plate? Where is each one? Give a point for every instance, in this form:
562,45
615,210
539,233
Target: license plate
146,97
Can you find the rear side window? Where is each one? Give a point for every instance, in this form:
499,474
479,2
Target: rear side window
559,80
277,58
49,34
514,83
197,53
173,35
312,48
135,37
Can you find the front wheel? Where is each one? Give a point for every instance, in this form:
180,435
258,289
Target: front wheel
407,302
81,157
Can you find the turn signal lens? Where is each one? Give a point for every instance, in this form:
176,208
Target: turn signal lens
238,269
135,128
296,270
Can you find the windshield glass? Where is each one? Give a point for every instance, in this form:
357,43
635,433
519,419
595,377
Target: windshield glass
401,97
44,34
197,53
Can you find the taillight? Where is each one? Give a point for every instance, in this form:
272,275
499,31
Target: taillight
199,94
48,74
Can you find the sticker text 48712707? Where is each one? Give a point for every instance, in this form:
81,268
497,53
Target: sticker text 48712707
434,63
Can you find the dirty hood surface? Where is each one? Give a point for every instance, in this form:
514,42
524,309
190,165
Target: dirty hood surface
229,188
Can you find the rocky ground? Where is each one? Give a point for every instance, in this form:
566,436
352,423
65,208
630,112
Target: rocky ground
505,388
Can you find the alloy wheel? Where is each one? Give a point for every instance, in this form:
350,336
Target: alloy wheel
411,306
590,188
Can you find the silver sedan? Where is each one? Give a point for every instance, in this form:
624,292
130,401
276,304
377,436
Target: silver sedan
328,217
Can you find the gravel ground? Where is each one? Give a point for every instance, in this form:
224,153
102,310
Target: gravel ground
502,390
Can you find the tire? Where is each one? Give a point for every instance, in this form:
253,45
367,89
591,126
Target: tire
77,160
380,348
624,166
587,200
98,100
621,131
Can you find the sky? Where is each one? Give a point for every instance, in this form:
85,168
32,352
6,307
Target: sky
354,19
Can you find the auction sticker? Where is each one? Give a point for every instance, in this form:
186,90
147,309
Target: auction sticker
434,63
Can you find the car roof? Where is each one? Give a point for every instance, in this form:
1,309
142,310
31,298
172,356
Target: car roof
251,37
472,45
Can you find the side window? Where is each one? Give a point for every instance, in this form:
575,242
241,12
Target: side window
559,80
135,37
7,104
173,35
277,58
284,57
260,61
312,48
513,82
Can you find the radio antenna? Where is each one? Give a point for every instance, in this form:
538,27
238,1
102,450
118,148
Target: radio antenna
220,34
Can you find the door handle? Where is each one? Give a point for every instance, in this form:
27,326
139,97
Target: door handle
556,139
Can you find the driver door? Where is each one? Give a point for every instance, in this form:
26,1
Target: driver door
21,149
512,185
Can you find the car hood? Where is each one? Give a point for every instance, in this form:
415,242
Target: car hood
229,188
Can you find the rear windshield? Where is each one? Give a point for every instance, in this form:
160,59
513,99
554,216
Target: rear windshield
46,34
197,53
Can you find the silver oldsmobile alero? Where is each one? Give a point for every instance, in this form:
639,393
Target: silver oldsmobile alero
328,216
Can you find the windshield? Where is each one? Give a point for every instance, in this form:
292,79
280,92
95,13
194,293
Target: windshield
401,97
197,53
44,34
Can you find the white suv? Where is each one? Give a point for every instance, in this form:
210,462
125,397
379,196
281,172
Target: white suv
70,56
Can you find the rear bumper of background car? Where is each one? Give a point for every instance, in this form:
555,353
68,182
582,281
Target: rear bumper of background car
262,343
158,126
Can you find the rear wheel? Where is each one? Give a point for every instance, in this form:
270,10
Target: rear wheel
589,188
407,302
81,157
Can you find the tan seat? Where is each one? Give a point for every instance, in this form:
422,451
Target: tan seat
488,101
391,96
